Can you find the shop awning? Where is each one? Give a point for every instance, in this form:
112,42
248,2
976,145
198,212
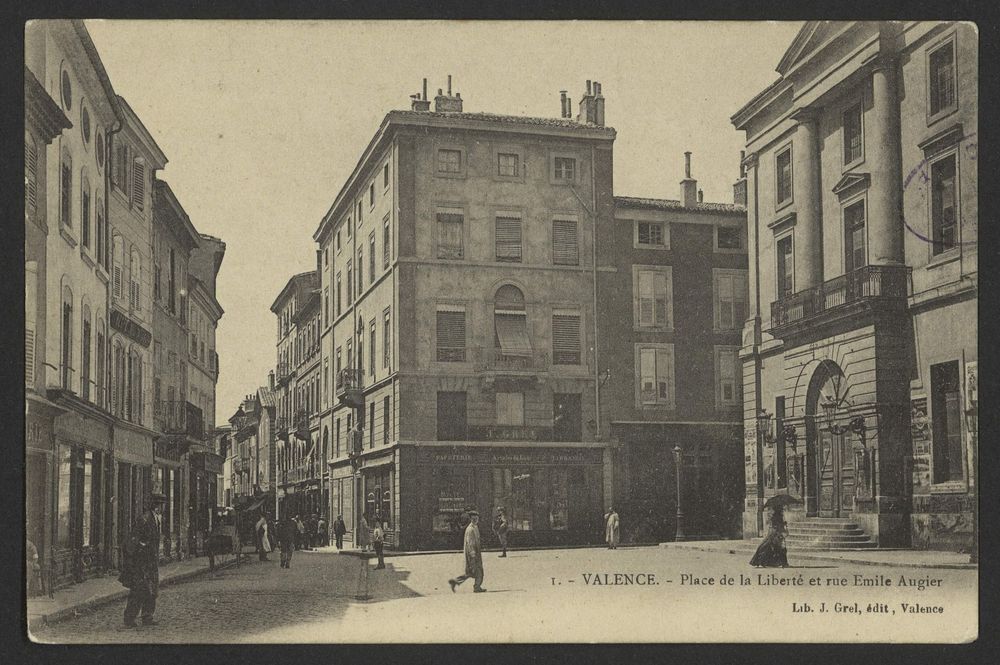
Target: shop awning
512,331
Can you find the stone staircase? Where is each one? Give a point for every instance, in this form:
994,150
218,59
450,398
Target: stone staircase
827,533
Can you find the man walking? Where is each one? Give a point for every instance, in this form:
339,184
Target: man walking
339,529
472,549
263,539
140,572
286,540
611,529
501,528
300,536
378,539
321,532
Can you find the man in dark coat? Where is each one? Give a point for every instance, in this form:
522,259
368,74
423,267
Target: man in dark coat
287,531
501,528
339,529
140,572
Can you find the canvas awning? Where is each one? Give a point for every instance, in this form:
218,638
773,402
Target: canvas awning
512,331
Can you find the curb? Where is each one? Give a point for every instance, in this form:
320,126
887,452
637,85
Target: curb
822,557
392,553
60,615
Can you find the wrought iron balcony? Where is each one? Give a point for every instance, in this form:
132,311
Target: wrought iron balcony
282,372
350,384
302,424
492,359
884,287
179,417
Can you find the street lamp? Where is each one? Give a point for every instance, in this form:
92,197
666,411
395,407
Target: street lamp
972,424
831,408
678,461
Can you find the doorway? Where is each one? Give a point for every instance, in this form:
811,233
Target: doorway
829,456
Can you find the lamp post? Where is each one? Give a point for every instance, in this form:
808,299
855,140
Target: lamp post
678,462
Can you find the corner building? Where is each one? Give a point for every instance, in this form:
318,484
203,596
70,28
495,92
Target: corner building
861,343
458,279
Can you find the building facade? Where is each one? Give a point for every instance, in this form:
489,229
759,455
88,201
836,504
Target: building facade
671,385
860,346
71,198
458,269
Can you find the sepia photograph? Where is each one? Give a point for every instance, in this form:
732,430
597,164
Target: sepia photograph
412,331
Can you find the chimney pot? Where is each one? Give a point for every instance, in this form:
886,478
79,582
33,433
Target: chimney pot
440,91
449,85
425,89
588,87
687,164
701,196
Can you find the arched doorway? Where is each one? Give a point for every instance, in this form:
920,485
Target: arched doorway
829,458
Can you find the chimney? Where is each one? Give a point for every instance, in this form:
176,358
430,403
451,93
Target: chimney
592,105
562,103
448,103
689,186
701,196
270,379
740,186
420,102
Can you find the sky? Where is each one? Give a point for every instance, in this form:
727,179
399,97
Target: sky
263,121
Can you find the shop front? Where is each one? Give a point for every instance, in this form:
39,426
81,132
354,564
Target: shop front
80,545
206,467
552,496
168,478
133,462
342,488
39,460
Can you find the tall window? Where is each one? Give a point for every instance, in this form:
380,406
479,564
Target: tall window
118,269
361,347
371,195
85,211
783,176
66,191
566,339
855,255
371,347
785,265
508,237
120,171
564,169
656,375
450,230
726,376
507,164
385,175
171,283
451,335
510,408
386,242
853,146
565,247
336,369
510,322
652,297
350,283
730,299
85,355
134,279
449,161
139,183
386,428
386,340
336,438
941,70
67,338
30,176
326,306
101,353
946,415
361,271
371,257
944,205
101,233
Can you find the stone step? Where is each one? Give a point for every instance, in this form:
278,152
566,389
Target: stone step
809,528
859,538
866,545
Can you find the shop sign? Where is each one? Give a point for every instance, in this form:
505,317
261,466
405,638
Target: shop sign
37,433
73,427
451,504
511,456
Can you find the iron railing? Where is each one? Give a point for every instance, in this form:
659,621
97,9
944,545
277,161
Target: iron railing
491,359
179,417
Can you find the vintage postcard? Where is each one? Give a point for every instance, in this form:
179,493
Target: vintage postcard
501,332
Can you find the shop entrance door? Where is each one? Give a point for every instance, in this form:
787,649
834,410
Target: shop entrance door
836,475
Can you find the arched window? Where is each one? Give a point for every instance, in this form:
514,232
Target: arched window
30,176
85,336
84,209
100,233
118,266
66,356
66,190
511,323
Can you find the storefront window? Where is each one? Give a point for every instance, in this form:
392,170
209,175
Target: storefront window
65,514
521,499
453,490
558,500
88,508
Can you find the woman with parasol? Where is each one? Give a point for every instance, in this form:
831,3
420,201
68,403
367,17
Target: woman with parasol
771,553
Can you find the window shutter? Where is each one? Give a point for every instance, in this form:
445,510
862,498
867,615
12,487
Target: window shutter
647,373
663,361
508,231
30,177
565,249
118,280
660,294
565,339
451,336
450,232
30,307
138,183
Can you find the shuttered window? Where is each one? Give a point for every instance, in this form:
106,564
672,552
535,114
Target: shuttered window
386,242
656,380
30,176
653,298
138,183
30,316
730,299
726,372
510,408
451,336
66,192
508,232
450,235
565,339
565,248
117,270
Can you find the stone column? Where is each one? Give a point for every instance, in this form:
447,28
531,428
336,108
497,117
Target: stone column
808,242
882,145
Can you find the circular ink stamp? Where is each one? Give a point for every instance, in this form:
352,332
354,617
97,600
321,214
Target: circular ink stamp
939,179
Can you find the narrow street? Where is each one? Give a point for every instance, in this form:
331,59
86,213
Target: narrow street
544,596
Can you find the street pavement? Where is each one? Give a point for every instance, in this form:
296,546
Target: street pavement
548,596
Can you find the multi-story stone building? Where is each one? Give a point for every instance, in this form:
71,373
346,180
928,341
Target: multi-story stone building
179,422
135,159
458,269
203,320
296,381
670,383
69,185
861,337
44,120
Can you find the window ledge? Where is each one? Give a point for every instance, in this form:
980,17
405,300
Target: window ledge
942,114
852,165
67,235
658,248
722,250
87,258
652,329
944,258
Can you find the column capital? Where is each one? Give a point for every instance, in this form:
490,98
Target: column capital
750,160
805,115
882,60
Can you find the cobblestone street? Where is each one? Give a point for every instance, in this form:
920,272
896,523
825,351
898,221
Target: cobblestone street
314,602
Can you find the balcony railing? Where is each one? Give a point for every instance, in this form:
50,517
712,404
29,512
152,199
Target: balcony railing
495,360
869,284
179,417
350,379
301,421
282,371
